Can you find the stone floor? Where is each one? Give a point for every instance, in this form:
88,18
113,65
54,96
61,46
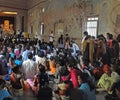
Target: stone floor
30,96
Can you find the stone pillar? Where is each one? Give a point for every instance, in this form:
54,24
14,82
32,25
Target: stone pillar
18,22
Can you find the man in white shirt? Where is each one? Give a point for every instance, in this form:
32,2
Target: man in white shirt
51,39
29,69
25,53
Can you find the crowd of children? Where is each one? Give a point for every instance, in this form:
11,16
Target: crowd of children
27,64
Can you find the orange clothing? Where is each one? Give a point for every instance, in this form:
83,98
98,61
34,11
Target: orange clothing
26,86
52,66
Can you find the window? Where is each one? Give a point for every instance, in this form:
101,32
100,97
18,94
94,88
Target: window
42,28
31,29
92,24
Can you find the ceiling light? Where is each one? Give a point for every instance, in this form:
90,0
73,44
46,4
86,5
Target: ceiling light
14,13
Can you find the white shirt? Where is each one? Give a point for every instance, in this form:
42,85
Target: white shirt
29,68
41,60
75,48
51,38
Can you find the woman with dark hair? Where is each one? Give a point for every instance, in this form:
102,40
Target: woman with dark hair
60,42
86,86
73,75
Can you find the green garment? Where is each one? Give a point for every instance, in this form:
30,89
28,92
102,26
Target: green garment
107,81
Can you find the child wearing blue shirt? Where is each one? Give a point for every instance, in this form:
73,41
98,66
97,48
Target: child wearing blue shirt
3,91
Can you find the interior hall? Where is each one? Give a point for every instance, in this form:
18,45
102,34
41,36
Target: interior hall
59,49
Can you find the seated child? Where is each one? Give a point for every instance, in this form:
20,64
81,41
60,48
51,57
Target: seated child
116,92
44,91
105,80
16,82
3,91
109,77
52,65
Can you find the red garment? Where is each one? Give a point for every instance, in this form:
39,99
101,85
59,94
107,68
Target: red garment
26,86
110,43
74,77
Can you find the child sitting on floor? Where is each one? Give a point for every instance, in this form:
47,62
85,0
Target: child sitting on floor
52,65
16,81
44,91
3,91
116,92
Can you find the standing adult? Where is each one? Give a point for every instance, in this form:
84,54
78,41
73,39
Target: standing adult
67,44
75,48
25,53
51,39
88,48
85,34
60,42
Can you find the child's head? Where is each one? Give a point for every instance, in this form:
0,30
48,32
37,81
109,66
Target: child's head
68,84
57,65
106,69
82,78
30,55
69,66
15,69
2,84
51,58
42,68
41,54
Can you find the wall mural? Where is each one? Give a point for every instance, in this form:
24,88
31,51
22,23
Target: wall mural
69,11
115,18
117,28
59,28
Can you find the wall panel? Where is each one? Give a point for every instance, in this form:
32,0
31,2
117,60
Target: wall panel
19,4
